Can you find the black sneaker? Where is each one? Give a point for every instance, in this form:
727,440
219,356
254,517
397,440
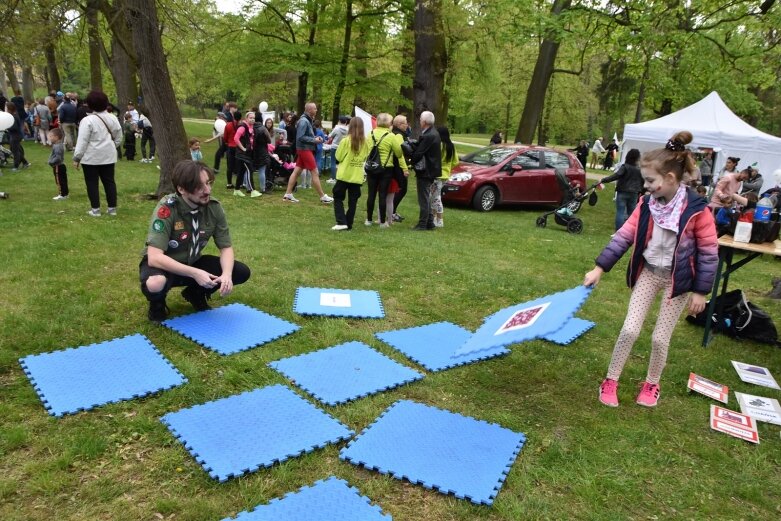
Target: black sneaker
229,186
158,311
196,297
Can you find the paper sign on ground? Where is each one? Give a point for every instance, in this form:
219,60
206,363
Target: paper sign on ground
733,423
755,374
709,388
337,300
760,408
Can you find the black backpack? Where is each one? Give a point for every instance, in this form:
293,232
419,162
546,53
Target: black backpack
740,319
373,165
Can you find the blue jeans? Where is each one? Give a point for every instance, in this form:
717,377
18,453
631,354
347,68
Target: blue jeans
261,179
625,205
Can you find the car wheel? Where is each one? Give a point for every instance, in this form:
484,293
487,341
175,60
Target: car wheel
485,199
542,222
575,226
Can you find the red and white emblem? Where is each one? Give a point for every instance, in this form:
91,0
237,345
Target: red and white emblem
523,318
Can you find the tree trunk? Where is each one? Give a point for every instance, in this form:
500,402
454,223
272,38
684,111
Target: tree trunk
159,97
361,70
406,91
93,38
122,62
430,61
28,84
538,86
3,83
348,31
51,67
12,79
303,77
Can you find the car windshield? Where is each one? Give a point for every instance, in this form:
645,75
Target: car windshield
489,156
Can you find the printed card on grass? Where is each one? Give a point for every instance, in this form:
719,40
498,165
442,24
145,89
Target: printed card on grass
755,374
708,388
733,423
760,408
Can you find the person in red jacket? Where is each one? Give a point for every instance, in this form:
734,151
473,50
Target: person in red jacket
675,252
228,137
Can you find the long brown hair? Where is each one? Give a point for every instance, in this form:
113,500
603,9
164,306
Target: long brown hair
674,157
355,132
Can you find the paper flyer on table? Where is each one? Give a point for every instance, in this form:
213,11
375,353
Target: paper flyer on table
733,423
708,388
760,408
755,374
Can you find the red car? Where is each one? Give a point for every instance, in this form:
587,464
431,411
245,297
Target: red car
511,174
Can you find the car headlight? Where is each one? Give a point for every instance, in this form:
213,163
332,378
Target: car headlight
461,177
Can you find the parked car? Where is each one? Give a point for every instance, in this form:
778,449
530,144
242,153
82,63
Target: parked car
511,174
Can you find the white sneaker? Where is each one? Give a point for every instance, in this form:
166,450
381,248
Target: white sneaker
238,193
143,160
331,181
151,158
367,222
326,199
339,227
111,211
95,212
255,193
59,198
289,198
384,225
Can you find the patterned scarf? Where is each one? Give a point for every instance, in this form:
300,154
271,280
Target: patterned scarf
194,240
668,216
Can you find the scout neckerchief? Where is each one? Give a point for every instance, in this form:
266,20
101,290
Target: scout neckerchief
194,244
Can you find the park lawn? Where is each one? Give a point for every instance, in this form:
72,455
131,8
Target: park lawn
70,280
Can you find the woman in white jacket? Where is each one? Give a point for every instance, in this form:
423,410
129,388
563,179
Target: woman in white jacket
96,150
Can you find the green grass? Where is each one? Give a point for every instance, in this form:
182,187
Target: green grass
71,280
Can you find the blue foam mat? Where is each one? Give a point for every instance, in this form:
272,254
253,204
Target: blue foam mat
354,303
81,378
344,372
433,345
569,331
331,499
230,329
248,431
438,449
526,321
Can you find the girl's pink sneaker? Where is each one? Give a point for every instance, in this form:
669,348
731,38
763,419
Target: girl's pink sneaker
607,392
649,395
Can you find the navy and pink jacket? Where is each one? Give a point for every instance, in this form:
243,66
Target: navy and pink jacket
696,250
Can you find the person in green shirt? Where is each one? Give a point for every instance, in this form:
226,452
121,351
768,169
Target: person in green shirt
351,153
181,226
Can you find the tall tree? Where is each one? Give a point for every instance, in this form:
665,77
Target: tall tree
430,60
93,43
159,98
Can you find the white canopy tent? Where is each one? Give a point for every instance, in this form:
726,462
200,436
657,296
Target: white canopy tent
713,125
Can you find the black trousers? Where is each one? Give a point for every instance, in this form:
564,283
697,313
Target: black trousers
378,185
425,218
17,150
104,174
403,181
61,178
147,137
231,159
353,193
208,263
218,155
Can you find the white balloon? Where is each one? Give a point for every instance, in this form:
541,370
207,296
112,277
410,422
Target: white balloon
263,107
6,120
219,125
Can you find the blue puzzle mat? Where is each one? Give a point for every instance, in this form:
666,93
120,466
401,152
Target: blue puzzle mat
345,372
81,378
245,432
338,303
438,449
232,328
329,499
570,331
433,345
526,321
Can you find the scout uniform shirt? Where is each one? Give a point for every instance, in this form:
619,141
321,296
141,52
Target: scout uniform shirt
182,232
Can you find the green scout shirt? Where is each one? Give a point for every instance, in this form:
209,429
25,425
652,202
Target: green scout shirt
171,228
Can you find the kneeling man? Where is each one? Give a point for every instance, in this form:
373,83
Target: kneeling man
179,230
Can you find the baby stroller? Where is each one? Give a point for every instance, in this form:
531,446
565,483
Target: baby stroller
279,171
5,153
571,203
